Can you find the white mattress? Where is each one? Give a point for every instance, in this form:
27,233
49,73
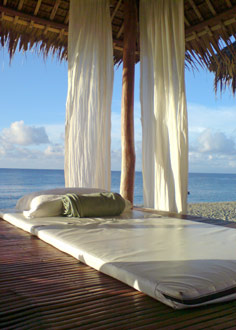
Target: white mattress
179,262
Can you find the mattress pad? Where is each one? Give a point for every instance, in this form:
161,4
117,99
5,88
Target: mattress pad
179,262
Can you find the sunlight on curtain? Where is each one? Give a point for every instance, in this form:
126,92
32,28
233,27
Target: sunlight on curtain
163,104
90,83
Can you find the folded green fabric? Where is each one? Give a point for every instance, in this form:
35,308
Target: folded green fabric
93,205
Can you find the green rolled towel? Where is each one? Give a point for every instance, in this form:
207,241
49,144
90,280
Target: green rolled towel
93,205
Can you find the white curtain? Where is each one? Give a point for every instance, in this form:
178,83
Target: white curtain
163,105
90,84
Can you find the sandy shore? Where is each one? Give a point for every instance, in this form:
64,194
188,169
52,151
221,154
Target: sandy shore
220,210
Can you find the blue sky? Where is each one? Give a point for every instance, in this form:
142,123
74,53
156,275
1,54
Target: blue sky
33,97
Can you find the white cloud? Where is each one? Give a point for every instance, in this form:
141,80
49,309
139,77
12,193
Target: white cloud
215,142
54,151
27,157
212,137
56,133
21,134
213,151
20,147
3,147
217,118
211,163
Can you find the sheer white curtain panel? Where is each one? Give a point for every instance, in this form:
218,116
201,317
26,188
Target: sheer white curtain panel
90,84
163,105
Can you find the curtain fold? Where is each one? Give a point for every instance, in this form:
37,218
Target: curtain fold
163,105
90,84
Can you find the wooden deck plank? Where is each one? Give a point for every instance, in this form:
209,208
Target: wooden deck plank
44,288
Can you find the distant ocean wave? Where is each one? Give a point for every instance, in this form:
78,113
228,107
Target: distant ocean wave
14,183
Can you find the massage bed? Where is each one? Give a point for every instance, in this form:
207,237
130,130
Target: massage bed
182,263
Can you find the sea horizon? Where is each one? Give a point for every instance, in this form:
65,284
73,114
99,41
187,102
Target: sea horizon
136,171
203,187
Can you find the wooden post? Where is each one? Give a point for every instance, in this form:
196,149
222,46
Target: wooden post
127,110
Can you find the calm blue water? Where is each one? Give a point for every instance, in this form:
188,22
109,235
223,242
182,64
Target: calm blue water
14,183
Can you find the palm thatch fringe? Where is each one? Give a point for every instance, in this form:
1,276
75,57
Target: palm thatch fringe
31,38
224,68
42,25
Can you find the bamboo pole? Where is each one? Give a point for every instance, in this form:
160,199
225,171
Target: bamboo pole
127,110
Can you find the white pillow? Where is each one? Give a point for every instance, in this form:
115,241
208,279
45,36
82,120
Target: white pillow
45,206
24,202
52,206
128,206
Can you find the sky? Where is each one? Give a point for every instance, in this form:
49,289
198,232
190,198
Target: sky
33,99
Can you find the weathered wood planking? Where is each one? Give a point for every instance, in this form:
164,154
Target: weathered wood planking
43,288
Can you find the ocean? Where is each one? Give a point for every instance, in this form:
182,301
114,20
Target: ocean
203,187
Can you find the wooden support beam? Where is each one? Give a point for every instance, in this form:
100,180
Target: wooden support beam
54,10
186,21
212,9
127,111
20,5
120,31
67,18
229,4
37,7
12,13
115,10
195,8
15,19
214,21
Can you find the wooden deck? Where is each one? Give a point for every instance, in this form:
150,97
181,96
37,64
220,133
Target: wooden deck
43,288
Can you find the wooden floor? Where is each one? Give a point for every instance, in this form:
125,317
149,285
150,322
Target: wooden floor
43,288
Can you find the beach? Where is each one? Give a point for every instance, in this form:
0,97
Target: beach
218,210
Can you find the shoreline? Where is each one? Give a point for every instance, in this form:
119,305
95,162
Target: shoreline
215,210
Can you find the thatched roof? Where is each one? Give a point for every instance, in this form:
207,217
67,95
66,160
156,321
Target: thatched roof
43,25
224,68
